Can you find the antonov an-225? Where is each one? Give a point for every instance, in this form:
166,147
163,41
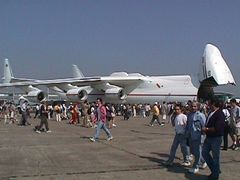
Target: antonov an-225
131,88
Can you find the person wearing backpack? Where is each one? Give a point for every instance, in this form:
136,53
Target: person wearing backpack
43,117
101,115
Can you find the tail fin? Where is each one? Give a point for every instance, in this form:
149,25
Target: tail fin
8,75
214,68
76,72
214,72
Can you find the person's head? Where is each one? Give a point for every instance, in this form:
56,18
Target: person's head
195,106
178,109
189,102
99,101
233,102
215,103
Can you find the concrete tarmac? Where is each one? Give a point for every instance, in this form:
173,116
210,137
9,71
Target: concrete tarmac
136,152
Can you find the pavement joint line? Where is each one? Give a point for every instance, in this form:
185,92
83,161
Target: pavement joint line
129,169
121,149
142,132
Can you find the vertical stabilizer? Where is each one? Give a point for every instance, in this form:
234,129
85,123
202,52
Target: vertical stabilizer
214,72
8,75
214,67
76,72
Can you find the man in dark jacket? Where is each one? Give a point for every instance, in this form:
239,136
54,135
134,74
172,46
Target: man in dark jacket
43,117
214,130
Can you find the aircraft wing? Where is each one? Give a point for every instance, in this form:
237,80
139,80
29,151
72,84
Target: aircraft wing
53,82
94,82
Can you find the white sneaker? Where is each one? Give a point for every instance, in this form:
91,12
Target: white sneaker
110,138
190,157
203,166
92,139
37,131
193,170
114,125
48,131
186,164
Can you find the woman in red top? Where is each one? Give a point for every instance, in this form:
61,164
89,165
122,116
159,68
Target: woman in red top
101,121
74,114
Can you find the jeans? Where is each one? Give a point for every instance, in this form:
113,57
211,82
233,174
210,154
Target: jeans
100,126
196,150
179,139
212,144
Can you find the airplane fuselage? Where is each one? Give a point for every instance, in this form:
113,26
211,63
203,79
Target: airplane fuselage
155,89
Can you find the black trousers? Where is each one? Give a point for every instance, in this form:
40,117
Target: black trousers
155,117
225,136
24,118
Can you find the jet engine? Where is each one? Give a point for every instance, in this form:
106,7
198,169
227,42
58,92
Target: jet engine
21,100
115,94
78,94
35,96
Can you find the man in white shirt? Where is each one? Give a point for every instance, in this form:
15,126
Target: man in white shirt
179,123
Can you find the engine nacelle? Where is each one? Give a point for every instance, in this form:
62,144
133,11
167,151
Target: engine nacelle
35,96
115,93
21,100
78,94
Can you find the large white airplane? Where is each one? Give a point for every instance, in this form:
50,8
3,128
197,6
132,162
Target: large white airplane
134,87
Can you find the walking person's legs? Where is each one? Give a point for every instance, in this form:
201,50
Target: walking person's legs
104,127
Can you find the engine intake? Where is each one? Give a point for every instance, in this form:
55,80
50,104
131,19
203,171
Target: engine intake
78,94
35,96
115,93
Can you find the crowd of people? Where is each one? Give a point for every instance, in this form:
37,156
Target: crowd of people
200,128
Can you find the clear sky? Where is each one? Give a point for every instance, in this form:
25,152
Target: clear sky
42,38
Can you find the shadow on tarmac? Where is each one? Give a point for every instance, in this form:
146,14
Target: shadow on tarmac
176,168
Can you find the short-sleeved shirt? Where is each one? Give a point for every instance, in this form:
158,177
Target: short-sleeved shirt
180,122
